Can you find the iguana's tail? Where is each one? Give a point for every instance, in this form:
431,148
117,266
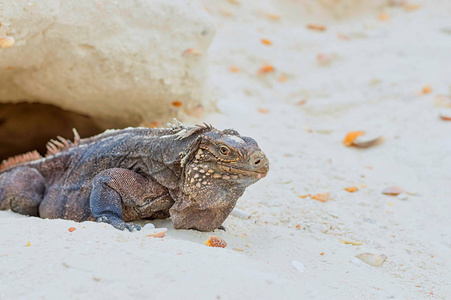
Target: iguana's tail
22,190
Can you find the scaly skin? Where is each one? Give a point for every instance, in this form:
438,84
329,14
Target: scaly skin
194,175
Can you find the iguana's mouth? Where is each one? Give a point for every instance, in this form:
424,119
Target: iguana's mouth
237,171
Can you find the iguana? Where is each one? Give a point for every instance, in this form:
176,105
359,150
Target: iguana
194,175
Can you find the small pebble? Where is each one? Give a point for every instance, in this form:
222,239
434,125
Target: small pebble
236,212
149,226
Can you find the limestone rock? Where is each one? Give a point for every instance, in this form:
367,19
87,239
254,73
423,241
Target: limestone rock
323,11
122,61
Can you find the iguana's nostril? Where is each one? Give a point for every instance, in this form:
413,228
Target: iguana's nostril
257,160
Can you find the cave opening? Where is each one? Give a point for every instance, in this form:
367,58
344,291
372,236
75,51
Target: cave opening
29,126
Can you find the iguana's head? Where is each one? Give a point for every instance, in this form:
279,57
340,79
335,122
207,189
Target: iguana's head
222,165
216,171
226,157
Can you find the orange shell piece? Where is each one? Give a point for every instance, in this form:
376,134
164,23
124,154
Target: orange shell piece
158,234
215,241
351,189
317,27
351,136
446,118
266,69
322,197
426,89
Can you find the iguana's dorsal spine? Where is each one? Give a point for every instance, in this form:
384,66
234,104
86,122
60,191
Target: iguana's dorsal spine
53,147
19,159
61,144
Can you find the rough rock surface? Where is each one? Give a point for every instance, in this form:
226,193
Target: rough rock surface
303,10
118,60
27,127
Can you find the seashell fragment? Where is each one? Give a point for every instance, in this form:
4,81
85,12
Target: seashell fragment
266,42
266,69
351,136
445,114
216,241
322,197
426,89
158,233
351,242
351,189
317,27
6,42
393,191
367,141
176,103
360,140
375,260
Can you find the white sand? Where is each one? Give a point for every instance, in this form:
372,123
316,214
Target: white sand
373,84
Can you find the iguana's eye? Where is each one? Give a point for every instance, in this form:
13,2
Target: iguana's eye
224,150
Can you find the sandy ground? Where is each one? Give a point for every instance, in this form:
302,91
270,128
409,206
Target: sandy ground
369,75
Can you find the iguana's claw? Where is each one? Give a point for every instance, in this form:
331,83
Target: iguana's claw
119,224
131,226
103,219
222,228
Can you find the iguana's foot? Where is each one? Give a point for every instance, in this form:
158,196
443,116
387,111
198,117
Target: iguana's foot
118,223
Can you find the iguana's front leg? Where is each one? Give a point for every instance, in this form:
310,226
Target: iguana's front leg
115,187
